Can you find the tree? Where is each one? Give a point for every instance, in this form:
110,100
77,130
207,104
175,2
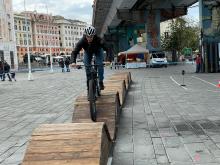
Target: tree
183,33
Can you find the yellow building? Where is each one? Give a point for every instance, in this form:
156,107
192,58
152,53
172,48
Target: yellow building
21,31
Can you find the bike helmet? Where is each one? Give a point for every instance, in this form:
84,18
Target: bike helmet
89,31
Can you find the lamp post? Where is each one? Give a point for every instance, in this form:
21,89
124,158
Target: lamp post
30,76
49,42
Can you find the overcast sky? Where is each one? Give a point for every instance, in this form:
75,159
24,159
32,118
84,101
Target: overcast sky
73,9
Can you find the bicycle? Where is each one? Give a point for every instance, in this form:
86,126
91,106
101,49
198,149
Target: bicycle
93,91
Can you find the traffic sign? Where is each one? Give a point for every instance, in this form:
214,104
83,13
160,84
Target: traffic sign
187,51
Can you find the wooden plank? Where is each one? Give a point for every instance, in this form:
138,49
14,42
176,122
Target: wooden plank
125,73
119,78
90,161
117,86
122,76
76,143
108,109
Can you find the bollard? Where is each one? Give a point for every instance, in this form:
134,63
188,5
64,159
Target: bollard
183,73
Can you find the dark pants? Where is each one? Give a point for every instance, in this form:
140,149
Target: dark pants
198,66
99,61
67,68
9,77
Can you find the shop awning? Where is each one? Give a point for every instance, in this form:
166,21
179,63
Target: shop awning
136,49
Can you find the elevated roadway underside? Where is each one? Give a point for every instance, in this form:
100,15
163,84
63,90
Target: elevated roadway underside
111,13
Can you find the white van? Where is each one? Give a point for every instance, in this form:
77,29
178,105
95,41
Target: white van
158,59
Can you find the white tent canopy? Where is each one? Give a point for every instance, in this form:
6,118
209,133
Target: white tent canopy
58,57
135,50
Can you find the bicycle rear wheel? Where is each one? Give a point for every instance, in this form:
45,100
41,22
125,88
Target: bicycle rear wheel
92,99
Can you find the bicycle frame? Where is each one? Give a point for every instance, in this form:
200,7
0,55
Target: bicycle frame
94,90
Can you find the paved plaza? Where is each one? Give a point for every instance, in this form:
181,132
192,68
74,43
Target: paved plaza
161,123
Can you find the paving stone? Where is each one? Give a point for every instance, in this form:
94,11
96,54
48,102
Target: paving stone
199,153
178,154
155,108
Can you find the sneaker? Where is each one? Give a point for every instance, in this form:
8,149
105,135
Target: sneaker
101,85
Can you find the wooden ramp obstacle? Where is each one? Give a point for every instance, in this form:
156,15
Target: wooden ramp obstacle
68,144
108,108
126,76
116,86
83,141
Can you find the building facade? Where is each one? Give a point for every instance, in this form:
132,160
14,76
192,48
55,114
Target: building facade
70,33
45,34
7,36
23,27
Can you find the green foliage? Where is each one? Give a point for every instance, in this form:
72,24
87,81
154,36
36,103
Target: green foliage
183,33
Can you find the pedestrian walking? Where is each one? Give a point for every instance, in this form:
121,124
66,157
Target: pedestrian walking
1,70
198,63
67,63
62,65
6,71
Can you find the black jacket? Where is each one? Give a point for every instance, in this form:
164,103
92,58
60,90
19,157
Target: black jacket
90,49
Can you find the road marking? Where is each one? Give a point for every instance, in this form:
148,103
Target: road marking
204,81
177,83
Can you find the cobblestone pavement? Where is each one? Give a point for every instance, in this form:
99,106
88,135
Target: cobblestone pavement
161,122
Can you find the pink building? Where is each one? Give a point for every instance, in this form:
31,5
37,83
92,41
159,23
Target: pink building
45,34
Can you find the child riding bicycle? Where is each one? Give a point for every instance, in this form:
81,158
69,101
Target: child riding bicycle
92,44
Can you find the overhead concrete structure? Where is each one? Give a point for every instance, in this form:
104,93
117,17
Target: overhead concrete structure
110,13
121,22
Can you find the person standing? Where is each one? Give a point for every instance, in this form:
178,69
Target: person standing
67,63
1,70
62,65
198,63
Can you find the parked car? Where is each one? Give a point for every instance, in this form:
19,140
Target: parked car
158,59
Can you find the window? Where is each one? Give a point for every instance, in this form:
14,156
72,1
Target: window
166,34
12,60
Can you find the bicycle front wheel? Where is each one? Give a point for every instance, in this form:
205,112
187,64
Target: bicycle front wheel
92,99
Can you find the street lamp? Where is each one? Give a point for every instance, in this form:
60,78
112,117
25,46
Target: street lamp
30,76
49,43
